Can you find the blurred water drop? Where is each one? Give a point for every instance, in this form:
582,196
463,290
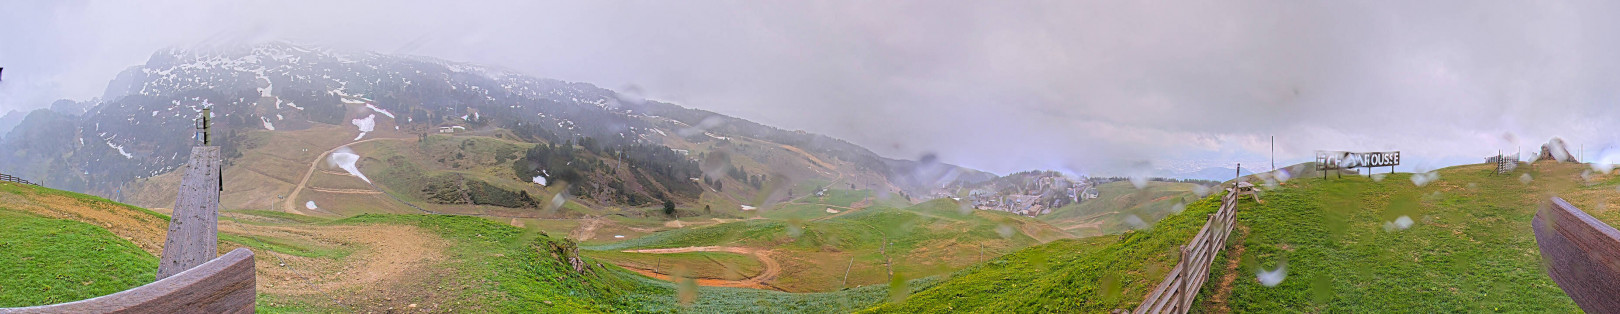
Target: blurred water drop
686,288
1271,278
1140,182
1135,222
702,127
1424,178
1178,208
1400,223
1111,287
716,164
1525,178
631,94
558,200
1321,289
1558,150
1378,177
795,228
1200,190
963,207
1586,177
898,289
1283,175
1005,230
1606,160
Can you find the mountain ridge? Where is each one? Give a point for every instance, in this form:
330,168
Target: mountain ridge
286,87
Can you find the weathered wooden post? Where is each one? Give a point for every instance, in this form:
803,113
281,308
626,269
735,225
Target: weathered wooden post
192,277
194,226
1186,280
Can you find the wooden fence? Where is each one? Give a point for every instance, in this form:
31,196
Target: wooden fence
11,178
1582,254
1175,294
222,285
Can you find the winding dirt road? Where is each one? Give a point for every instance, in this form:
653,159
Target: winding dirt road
772,268
292,199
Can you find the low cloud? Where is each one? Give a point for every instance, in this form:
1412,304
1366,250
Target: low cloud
1086,87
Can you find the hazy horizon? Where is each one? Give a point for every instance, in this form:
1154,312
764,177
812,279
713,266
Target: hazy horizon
1086,88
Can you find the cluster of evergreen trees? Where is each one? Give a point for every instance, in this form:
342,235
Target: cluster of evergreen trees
573,162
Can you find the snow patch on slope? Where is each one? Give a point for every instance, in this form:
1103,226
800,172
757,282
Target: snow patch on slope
380,110
365,125
121,151
345,159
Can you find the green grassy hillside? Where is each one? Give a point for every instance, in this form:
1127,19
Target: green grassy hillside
1097,274
48,261
1107,214
501,268
927,239
1469,247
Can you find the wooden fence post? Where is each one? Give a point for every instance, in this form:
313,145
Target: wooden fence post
194,226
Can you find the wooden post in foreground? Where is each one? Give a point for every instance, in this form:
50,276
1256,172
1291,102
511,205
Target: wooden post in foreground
194,226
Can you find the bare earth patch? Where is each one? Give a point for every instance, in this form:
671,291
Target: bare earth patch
389,268
772,268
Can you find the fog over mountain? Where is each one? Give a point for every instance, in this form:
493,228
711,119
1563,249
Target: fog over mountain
1097,88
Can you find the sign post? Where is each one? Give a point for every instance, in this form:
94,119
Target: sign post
1335,160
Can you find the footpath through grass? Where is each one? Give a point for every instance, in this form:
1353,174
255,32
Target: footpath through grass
47,261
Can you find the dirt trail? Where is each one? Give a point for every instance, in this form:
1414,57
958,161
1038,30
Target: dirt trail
772,268
382,255
586,230
1224,290
806,155
344,191
292,199
846,210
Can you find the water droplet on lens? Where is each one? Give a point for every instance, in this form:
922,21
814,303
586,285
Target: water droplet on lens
1271,278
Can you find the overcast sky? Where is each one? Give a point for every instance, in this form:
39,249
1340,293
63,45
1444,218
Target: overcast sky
1090,87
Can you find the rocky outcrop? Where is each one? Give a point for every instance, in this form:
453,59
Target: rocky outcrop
1555,150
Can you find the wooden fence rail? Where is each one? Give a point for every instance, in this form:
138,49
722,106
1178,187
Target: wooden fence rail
222,285
1582,253
11,178
1175,294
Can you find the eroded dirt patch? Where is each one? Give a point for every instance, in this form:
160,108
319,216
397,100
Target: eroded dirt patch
771,271
377,254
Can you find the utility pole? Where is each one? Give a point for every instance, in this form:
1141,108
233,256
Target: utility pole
1273,153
